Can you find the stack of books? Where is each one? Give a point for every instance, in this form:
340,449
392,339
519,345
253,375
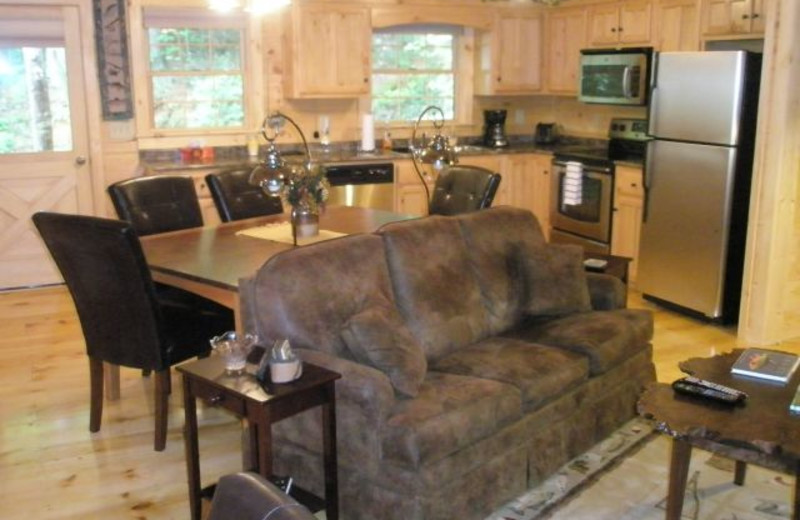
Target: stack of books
771,366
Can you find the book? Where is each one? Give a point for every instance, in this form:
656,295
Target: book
766,364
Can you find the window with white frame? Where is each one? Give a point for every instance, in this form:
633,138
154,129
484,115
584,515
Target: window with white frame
196,72
413,67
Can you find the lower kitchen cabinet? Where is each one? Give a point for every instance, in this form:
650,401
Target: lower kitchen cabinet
526,184
627,218
409,193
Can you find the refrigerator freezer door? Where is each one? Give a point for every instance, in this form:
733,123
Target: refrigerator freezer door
685,234
696,96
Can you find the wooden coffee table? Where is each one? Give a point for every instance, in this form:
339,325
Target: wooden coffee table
761,432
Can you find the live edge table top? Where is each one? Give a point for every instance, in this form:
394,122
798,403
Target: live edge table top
762,431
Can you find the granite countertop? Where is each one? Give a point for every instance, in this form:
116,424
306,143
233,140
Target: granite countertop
166,161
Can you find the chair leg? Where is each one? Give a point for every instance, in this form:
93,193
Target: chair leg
95,394
162,381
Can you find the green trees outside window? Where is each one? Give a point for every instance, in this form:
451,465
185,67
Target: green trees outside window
411,71
197,78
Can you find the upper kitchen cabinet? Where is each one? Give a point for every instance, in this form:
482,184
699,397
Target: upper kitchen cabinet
620,23
566,36
329,54
677,25
510,54
733,17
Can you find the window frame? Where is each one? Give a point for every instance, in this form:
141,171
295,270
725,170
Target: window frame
463,40
251,72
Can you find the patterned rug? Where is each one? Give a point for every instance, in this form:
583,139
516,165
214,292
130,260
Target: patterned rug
625,478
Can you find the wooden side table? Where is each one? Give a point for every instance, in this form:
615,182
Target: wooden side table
261,406
761,432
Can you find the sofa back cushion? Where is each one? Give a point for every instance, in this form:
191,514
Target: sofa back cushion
556,281
499,239
434,284
309,293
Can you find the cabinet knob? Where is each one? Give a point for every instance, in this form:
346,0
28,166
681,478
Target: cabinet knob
499,79
613,29
745,17
366,80
619,29
756,15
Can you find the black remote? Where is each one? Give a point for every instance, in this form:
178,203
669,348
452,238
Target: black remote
706,389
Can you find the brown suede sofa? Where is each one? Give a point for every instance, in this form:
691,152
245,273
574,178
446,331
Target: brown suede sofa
476,359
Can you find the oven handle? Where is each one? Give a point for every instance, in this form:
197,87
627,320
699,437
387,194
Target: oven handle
586,168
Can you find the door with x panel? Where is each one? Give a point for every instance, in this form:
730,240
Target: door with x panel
43,134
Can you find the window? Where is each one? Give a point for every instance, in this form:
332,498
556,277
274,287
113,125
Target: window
411,69
196,73
34,100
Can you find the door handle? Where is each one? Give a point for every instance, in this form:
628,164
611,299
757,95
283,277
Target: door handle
80,160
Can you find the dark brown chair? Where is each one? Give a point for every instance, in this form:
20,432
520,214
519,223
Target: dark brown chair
237,199
248,496
157,203
123,322
461,189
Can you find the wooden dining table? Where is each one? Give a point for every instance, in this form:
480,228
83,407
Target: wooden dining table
210,261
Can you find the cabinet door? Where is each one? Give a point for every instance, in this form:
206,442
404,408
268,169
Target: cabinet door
410,196
677,26
331,52
758,16
728,16
635,18
627,219
604,24
540,192
566,36
518,53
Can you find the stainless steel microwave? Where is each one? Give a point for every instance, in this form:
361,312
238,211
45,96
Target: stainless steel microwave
615,76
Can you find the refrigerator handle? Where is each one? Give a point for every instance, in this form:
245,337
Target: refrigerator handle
648,179
626,83
651,106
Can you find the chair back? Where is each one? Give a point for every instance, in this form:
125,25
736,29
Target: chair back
237,199
461,189
157,203
104,268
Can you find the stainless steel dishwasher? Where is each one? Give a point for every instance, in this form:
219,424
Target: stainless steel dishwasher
366,185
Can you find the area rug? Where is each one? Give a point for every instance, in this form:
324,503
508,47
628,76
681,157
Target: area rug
625,479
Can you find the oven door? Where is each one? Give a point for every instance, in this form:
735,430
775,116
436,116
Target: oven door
589,218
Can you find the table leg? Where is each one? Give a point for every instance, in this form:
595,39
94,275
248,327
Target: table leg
191,449
796,513
678,472
250,445
739,473
261,438
329,454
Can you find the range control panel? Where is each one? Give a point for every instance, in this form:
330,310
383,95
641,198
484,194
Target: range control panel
633,129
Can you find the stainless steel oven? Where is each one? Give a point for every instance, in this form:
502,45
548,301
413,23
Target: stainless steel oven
582,217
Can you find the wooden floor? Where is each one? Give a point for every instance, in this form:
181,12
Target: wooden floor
52,467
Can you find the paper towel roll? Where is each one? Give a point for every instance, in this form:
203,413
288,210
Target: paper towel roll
367,133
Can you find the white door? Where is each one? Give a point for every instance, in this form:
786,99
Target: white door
43,134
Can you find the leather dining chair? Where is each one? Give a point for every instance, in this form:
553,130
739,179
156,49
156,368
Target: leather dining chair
123,322
461,189
237,199
157,203
249,496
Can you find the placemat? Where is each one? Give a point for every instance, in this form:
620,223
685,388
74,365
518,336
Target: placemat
283,233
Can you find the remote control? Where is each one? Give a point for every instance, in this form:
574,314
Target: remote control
706,389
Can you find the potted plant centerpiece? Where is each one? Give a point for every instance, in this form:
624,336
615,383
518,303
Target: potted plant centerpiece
303,186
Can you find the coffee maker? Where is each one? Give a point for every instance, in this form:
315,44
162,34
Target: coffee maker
494,128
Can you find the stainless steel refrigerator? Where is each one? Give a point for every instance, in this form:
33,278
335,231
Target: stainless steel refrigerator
702,118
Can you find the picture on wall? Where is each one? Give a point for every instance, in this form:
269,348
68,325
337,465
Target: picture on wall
112,57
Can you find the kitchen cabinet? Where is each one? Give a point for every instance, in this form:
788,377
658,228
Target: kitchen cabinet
676,25
510,55
733,17
566,36
627,218
329,54
409,195
618,23
526,184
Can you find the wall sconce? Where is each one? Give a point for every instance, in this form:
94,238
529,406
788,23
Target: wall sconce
437,152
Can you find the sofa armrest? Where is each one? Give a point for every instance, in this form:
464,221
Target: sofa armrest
607,292
361,386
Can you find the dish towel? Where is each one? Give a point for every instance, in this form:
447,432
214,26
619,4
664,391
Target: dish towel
572,192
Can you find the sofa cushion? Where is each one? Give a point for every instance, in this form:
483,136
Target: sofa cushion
434,286
606,337
450,413
556,280
496,239
540,373
377,337
308,293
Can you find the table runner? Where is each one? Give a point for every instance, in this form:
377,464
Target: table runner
283,233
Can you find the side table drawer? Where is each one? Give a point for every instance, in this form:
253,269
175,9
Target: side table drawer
216,397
